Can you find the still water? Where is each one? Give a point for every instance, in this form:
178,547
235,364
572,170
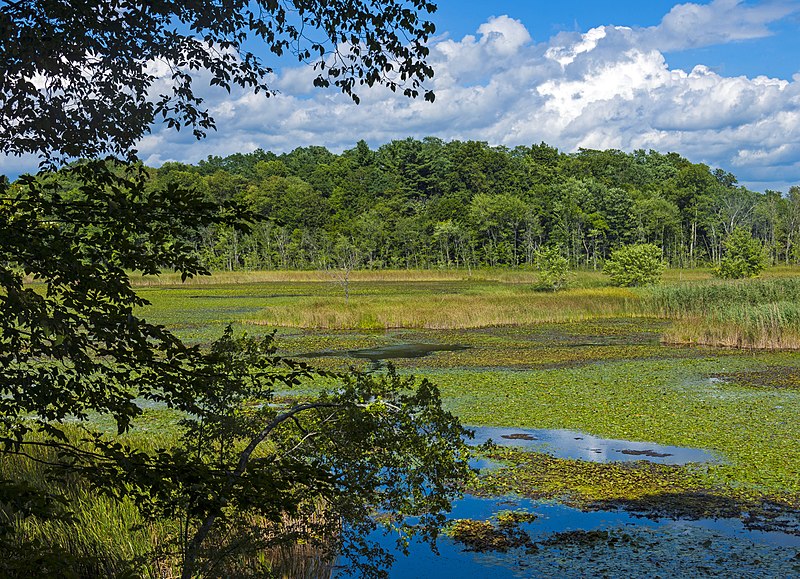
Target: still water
642,547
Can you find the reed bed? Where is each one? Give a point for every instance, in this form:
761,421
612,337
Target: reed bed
758,314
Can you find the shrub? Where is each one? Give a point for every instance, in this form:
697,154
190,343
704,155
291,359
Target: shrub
552,267
635,265
744,256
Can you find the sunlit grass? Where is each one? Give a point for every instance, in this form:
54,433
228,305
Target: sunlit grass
497,307
761,313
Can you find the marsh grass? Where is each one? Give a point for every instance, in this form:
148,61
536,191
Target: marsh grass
758,314
103,537
503,306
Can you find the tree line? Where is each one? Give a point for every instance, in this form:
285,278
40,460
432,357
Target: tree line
429,203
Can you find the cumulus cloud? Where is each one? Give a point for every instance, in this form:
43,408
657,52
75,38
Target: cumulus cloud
609,87
693,25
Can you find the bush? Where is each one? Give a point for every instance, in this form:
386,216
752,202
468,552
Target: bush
744,256
635,265
552,267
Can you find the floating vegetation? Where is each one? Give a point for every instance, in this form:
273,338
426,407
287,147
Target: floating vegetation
773,377
641,487
500,535
651,553
593,538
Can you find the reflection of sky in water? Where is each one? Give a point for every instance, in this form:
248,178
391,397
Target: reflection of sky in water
679,549
662,547
577,445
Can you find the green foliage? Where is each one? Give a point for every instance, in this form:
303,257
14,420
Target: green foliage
744,256
302,469
635,265
101,57
429,203
68,336
552,267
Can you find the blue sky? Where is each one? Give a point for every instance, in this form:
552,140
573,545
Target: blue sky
774,55
717,81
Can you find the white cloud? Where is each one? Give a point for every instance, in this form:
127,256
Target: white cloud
610,87
693,25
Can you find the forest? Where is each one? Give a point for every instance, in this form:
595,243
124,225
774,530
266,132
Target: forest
430,203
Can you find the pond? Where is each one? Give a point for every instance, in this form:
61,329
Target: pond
573,543
568,542
578,445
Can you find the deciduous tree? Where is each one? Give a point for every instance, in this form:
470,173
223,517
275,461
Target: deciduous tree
77,82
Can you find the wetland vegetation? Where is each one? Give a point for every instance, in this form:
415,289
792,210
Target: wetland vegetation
164,430
598,360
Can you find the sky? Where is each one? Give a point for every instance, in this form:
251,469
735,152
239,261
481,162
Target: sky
717,81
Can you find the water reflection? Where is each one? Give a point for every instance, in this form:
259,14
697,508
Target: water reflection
722,547
577,445
635,546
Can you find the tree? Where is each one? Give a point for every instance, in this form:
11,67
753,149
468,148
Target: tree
744,256
89,68
77,82
371,442
635,265
552,267
344,258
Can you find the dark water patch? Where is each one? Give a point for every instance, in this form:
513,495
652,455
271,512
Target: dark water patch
404,351
380,354
576,445
648,453
519,436
772,378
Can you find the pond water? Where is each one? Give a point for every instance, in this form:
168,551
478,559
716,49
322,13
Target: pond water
618,544
578,445
642,548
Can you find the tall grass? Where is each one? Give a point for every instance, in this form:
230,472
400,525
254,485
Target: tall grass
761,314
103,538
108,537
500,307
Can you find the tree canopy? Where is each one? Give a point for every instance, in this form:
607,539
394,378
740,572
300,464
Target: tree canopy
432,203
244,470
